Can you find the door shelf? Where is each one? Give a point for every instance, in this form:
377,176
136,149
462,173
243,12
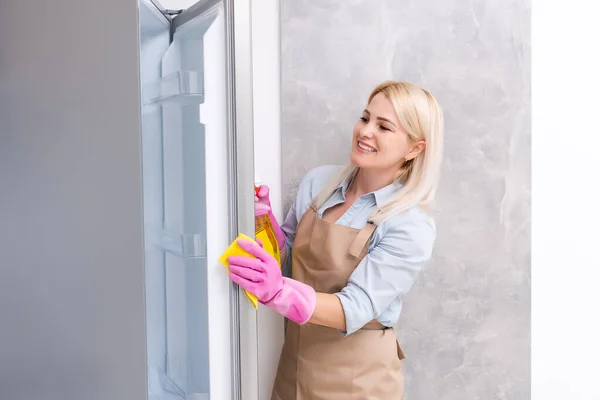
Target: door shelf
168,390
178,88
184,245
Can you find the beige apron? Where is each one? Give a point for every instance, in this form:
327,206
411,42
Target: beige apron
318,363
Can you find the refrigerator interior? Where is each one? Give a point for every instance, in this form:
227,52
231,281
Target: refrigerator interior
184,114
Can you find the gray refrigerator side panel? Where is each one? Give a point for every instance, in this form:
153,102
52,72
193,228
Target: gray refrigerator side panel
71,244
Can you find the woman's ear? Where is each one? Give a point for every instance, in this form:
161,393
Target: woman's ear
417,149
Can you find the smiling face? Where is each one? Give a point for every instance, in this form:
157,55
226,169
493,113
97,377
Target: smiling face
379,142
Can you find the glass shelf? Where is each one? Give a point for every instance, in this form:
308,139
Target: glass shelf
178,88
166,389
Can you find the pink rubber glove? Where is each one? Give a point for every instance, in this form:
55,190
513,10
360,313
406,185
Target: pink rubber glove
262,277
262,206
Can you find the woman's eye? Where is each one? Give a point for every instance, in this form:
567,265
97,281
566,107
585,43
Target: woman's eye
383,128
363,119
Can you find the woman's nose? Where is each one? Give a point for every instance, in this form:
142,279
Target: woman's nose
367,131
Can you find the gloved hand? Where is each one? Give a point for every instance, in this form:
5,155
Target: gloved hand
262,277
262,206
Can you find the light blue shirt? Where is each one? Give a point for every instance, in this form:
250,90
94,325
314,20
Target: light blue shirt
397,251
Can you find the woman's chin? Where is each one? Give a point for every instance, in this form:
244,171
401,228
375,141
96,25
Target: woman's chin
359,160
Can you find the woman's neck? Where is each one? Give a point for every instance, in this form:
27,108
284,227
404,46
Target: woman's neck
367,181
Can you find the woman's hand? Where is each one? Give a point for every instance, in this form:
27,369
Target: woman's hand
263,195
262,277
262,203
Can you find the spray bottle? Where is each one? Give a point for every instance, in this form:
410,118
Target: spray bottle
264,230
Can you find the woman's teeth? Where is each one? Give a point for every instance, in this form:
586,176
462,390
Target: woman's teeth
366,148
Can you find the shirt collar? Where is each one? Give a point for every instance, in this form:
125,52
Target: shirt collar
381,195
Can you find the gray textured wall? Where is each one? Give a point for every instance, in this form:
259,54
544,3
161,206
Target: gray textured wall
466,322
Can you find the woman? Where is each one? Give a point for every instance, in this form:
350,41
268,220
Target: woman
363,236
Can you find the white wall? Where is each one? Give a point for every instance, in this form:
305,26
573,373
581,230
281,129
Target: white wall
267,161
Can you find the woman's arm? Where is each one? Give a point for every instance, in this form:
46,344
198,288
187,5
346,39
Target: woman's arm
328,312
386,272
293,299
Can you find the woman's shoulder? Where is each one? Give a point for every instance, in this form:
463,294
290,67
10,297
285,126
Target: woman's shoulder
411,233
312,183
314,180
322,172
415,220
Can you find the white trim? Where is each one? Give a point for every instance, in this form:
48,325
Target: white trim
267,162
213,113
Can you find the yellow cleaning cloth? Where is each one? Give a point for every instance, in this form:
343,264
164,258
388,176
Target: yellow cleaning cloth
235,250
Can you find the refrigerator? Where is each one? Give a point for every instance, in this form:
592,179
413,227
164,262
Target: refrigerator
126,169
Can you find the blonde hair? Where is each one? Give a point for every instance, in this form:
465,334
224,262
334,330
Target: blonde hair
422,119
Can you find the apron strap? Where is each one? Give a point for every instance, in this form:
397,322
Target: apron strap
361,239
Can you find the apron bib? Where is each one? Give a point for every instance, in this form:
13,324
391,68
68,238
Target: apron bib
316,362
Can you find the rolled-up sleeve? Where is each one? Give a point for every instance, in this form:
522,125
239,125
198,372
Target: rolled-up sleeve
388,271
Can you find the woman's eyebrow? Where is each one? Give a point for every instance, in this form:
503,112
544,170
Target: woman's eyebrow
386,120
380,118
